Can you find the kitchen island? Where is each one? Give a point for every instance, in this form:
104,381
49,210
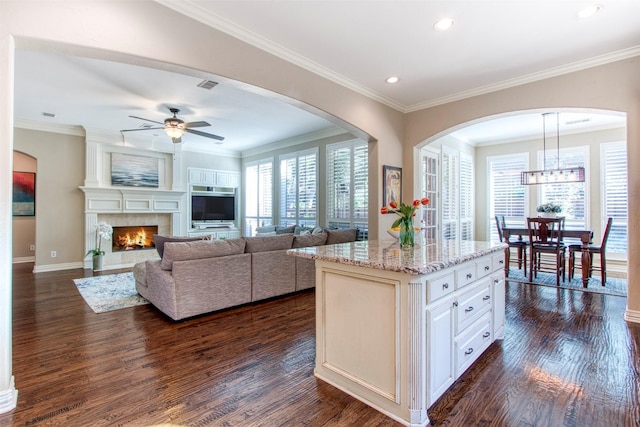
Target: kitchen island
396,327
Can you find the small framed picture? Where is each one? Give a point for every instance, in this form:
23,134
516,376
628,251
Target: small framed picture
392,184
24,194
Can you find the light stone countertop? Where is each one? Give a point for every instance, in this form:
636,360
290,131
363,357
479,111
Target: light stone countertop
425,258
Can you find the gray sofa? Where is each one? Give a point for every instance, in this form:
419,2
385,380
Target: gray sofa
196,276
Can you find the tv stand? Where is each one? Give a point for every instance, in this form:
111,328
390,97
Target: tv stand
205,225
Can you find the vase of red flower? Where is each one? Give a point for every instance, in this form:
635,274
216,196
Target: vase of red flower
405,220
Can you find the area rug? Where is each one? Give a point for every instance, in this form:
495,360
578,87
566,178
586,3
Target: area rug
614,286
109,292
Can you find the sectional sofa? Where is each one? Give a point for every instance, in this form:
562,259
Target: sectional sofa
195,277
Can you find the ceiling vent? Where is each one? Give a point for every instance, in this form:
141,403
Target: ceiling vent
207,84
48,114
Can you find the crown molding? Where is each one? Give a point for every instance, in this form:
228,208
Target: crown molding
49,127
198,13
530,78
297,140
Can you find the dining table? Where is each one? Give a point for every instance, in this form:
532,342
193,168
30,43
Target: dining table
585,236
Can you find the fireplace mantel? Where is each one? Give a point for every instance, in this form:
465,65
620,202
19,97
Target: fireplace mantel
132,200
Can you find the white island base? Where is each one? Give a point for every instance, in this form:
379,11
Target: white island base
397,340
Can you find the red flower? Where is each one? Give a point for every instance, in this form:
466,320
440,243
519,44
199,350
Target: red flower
393,204
384,210
424,200
416,203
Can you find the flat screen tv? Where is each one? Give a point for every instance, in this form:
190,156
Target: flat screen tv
213,208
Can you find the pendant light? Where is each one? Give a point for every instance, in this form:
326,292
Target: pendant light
552,176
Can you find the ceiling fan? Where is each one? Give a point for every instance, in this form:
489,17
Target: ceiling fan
175,127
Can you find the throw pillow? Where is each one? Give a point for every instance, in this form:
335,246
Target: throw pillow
285,230
161,240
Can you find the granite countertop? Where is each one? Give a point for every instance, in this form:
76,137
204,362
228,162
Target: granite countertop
425,258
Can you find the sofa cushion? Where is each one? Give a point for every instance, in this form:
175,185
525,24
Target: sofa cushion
285,230
306,240
266,230
182,251
268,243
341,236
298,230
161,240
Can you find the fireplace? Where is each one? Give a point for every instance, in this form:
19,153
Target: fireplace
131,238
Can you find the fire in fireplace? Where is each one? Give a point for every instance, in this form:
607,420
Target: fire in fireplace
134,237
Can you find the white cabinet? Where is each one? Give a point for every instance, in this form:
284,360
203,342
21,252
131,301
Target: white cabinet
202,177
216,233
213,178
440,333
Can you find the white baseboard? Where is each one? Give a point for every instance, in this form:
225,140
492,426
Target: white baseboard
9,398
24,259
57,267
632,316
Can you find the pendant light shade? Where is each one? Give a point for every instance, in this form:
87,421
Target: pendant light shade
557,175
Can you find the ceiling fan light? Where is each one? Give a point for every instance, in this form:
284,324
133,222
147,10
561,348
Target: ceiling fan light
174,132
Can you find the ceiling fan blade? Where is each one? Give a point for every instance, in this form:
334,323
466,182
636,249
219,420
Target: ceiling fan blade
134,130
206,135
146,120
196,124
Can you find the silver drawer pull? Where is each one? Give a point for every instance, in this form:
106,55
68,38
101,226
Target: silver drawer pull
468,352
486,335
486,268
445,286
495,280
501,262
469,275
486,297
468,309
455,303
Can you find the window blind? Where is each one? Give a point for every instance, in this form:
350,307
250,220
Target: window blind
614,193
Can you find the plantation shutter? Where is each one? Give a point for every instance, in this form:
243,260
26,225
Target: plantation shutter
347,185
258,195
450,183
430,190
507,196
466,197
614,194
299,188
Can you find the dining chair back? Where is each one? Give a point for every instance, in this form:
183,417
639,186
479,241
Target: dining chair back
545,237
591,250
519,245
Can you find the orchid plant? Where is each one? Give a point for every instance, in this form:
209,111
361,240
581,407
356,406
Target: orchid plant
103,231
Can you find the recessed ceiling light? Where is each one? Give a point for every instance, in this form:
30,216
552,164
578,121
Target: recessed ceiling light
443,25
589,11
393,79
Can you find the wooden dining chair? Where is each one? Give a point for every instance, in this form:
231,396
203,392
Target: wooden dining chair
545,238
592,249
519,245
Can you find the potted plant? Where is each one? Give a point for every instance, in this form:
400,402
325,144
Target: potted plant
103,231
549,210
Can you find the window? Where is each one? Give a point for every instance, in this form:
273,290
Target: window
347,185
507,196
613,158
258,195
572,196
299,188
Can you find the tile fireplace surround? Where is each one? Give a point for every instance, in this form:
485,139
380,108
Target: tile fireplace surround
130,207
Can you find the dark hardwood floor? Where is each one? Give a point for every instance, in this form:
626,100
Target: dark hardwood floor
568,359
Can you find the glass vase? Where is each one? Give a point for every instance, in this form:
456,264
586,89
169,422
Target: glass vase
407,233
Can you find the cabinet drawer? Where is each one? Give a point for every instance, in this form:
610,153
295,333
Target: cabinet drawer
483,267
470,345
473,304
465,275
439,287
498,261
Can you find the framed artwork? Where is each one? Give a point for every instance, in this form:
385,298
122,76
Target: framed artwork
134,171
24,194
392,184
